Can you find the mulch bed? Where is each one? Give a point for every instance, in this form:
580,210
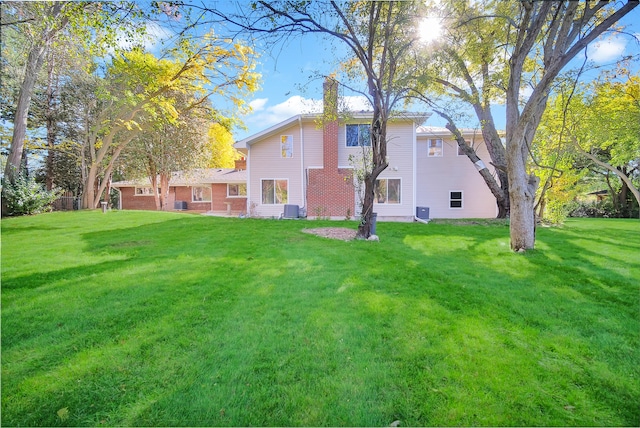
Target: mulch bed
341,233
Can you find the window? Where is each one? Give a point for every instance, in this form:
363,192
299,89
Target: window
201,194
387,191
236,190
455,199
358,135
434,148
286,146
145,191
275,192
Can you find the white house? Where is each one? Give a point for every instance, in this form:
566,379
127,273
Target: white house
304,163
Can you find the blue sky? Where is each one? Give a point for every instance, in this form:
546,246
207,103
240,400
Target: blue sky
288,89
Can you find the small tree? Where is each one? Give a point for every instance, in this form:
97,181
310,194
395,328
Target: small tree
378,36
24,196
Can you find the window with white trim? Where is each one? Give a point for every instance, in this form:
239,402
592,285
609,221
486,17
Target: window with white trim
455,199
358,135
236,190
201,194
286,146
275,192
387,191
434,147
145,191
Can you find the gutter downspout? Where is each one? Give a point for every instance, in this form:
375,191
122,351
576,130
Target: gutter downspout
415,172
415,176
248,169
302,174
421,220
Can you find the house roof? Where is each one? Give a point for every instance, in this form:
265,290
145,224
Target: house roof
200,176
246,142
441,131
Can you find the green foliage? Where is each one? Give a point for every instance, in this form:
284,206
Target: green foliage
25,196
599,209
168,319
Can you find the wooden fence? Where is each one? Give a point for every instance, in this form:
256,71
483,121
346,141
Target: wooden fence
66,202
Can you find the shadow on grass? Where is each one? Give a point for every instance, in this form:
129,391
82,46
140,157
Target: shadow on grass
243,322
40,279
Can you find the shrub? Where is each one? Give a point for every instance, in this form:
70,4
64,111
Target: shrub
599,209
25,196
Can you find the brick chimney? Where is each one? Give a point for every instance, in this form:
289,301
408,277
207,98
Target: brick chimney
329,191
241,164
330,122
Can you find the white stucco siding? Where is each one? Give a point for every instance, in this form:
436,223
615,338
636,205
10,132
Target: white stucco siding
437,177
267,163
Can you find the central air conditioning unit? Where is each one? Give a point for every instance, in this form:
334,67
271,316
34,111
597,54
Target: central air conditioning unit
422,213
291,211
180,205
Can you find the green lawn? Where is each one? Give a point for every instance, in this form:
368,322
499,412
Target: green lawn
145,318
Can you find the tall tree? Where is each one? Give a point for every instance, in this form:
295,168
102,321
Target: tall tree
139,87
614,144
377,34
43,23
170,145
509,47
220,147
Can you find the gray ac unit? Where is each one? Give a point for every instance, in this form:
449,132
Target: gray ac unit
291,211
180,205
422,213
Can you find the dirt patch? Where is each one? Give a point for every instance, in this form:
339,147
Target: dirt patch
341,233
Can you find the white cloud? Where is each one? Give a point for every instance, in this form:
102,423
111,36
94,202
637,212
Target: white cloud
607,50
258,104
264,116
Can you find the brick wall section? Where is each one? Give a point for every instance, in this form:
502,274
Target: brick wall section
132,202
330,191
219,196
183,193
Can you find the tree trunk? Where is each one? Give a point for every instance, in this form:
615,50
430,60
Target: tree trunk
379,157
364,228
88,195
522,189
33,66
34,63
51,125
154,188
164,191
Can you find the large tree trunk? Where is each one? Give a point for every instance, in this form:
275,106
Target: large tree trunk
51,124
33,66
522,190
164,191
32,69
379,152
88,196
